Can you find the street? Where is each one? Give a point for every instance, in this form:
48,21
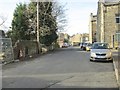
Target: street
65,68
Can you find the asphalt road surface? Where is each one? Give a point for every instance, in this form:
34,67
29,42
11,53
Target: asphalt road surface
65,68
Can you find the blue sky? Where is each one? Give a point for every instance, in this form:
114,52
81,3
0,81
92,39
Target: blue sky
78,13
78,16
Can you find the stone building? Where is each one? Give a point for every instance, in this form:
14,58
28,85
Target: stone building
78,38
108,21
85,37
92,28
66,36
61,38
75,39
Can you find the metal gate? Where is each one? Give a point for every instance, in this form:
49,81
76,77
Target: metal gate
6,50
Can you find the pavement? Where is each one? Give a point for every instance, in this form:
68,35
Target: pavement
66,68
115,65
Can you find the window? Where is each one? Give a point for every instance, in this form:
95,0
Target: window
118,18
117,37
100,46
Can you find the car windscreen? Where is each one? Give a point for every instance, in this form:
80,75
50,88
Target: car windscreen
100,46
84,43
89,44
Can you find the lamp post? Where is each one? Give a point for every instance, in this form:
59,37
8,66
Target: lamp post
38,36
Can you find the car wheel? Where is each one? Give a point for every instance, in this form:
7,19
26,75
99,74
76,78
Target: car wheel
91,60
111,60
87,49
83,48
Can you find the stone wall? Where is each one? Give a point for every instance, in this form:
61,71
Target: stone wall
99,21
92,28
118,60
114,27
6,50
24,49
110,23
94,24
106,22
27,49
119,47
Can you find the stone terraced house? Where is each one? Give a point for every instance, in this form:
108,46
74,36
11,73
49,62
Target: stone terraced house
92,28
108,22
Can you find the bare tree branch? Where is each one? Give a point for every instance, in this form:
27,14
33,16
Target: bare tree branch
59,14
3,19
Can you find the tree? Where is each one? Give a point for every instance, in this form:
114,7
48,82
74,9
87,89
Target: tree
32,15
47,20
20,23
2,21
66,40
51,19
59,14
25,17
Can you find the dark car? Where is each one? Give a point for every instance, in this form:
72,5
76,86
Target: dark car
84,46
81,45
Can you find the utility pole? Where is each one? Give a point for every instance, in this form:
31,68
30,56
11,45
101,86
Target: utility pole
38,36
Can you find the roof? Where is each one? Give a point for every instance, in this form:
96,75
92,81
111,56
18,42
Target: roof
94,18
110,2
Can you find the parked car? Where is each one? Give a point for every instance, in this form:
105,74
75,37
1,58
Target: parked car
88,46
100,52
65,45
81,45
84,46
2,56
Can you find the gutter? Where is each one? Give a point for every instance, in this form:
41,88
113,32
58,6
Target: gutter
115,65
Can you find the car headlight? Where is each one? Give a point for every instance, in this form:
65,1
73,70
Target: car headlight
93,54
109,54
2,55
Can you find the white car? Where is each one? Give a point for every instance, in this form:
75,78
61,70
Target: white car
100,52
65,45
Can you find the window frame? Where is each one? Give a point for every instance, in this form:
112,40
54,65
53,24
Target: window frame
117,18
